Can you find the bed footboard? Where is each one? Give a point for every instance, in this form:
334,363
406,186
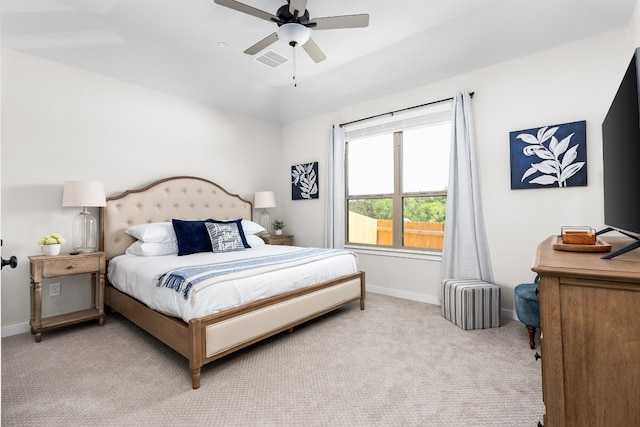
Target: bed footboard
238,328
206,339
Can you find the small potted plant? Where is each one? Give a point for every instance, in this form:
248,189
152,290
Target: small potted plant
278,226
51,244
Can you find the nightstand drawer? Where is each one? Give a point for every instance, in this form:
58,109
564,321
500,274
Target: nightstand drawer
68,267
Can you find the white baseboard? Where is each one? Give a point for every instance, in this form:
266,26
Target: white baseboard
20,328
508,314
429,299
403,294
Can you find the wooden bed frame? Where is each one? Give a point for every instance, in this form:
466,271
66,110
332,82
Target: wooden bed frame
208,338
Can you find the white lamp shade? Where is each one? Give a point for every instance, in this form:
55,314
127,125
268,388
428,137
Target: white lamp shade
83,193
293,34
264,200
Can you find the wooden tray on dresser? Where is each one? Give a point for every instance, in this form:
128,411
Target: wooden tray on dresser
599,246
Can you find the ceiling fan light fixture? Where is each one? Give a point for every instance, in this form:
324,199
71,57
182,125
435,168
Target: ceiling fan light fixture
294,34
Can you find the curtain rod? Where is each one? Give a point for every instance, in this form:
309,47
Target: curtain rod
398,111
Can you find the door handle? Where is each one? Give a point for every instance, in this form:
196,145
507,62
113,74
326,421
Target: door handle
12,261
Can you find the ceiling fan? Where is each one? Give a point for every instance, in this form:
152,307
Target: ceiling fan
294,25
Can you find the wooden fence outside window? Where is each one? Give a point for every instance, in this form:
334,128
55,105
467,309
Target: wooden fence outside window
426,235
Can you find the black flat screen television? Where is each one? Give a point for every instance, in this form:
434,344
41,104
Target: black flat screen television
621,156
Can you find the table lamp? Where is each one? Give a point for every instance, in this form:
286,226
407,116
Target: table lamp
84,236
265,200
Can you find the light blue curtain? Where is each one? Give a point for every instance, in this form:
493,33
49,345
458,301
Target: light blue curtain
465,252
335,208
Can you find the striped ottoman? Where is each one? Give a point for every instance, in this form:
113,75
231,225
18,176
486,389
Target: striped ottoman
471,304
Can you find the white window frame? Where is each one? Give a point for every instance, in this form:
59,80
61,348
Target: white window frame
397,122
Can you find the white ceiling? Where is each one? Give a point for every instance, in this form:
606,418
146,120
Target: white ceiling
174,45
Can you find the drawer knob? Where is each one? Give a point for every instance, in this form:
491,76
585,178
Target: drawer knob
71,267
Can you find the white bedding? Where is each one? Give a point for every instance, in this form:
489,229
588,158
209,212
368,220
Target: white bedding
134,275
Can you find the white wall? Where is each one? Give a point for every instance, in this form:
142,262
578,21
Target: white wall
61,123
565,84
634,29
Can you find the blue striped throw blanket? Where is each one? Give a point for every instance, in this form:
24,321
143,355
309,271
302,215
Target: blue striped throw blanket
194,278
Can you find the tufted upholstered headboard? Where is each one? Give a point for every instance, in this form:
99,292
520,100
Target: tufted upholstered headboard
181,197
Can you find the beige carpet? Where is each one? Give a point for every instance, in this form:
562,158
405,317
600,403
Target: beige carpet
396,363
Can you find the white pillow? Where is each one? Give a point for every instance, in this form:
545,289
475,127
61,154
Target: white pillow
152,249
153,232
250,227
253,240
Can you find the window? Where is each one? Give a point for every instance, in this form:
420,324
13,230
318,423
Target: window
396,180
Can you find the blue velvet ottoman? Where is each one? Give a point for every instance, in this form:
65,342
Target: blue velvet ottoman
528,308
471,304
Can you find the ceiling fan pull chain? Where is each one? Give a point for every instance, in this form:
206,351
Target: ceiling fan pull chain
295,82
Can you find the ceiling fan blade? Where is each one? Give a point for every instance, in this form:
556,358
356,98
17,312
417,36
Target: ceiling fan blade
262,44
314,51
299,5
244,8
344,21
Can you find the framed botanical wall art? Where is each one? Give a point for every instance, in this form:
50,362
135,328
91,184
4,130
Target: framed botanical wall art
549,156
304,181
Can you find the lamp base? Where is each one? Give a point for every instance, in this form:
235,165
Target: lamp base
265,221
85,232
84,250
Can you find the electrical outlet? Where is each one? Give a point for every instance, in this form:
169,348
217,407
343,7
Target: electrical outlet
54,289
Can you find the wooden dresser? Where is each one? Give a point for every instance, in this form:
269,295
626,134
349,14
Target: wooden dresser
590,321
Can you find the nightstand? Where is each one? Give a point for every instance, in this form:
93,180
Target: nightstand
278,239
46,267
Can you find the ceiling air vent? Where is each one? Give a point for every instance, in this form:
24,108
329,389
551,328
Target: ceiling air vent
271,59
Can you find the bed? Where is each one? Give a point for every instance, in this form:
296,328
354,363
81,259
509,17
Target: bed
203,336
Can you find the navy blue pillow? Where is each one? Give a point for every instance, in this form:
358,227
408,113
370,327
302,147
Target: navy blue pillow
226,236
192,236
